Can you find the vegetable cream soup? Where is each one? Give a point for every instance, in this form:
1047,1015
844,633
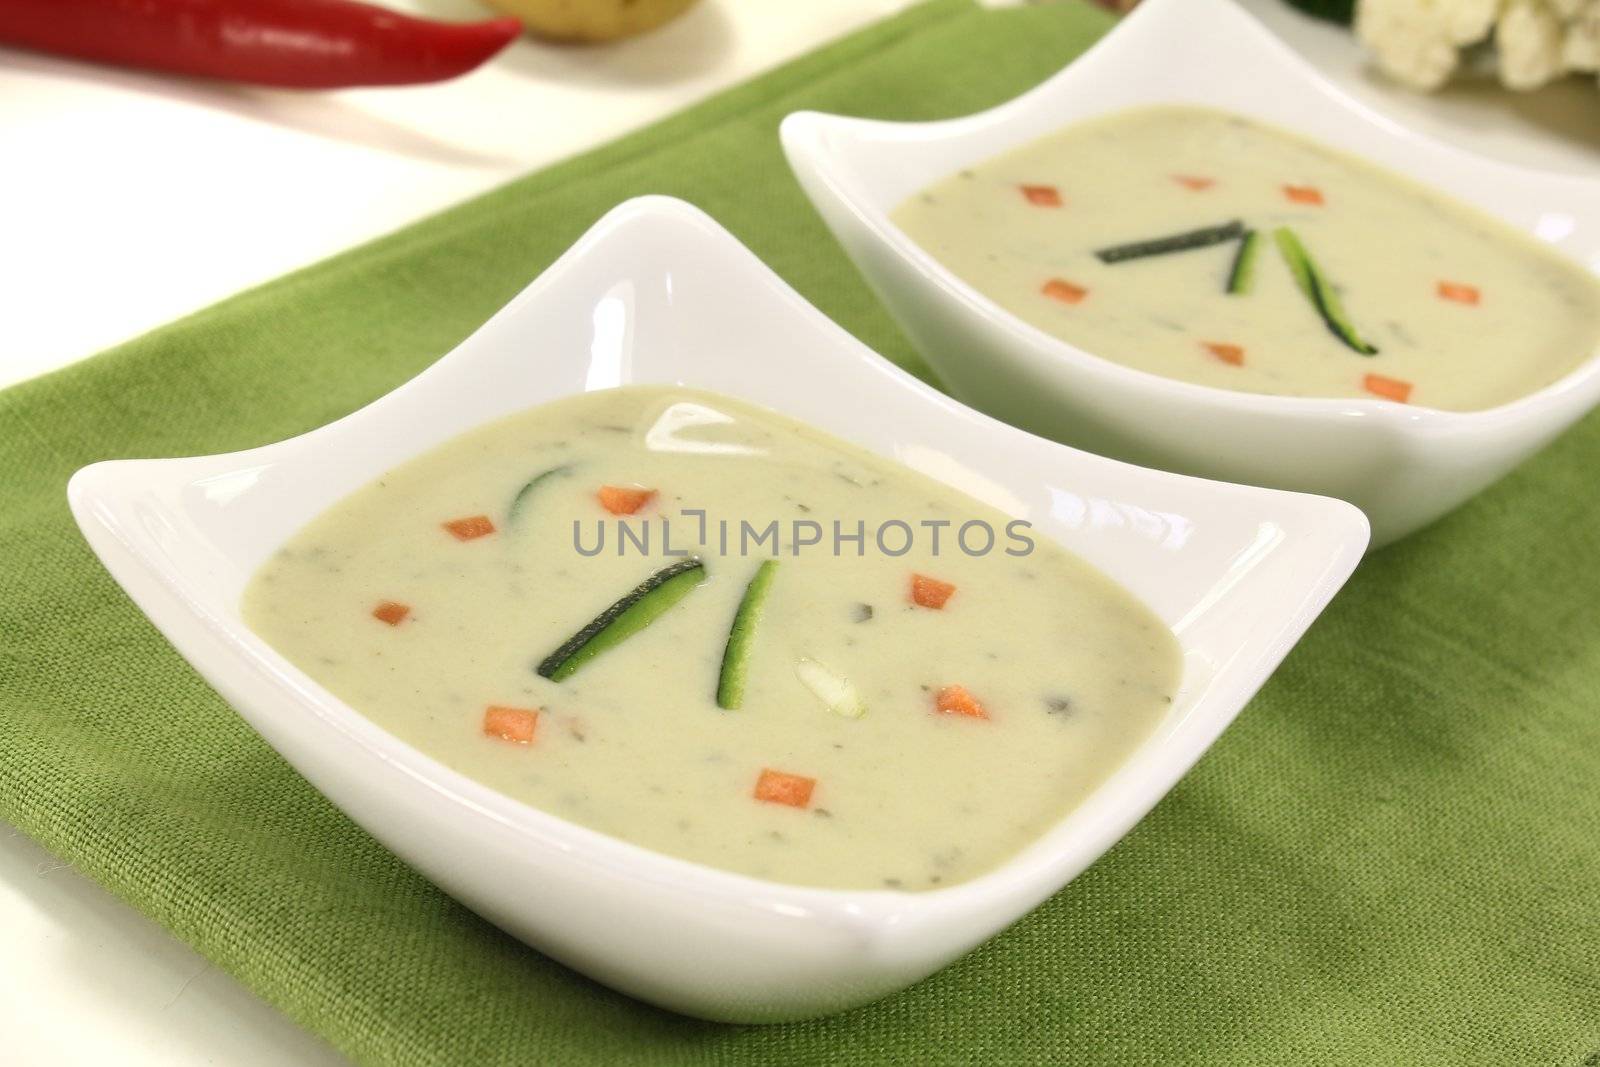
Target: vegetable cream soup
1210,248
698,626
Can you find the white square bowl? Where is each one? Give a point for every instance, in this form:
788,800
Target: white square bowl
657,292
1403,465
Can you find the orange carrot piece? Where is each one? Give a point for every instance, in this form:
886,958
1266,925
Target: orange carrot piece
620,500
1460,292
776,787
1042,195
470,528
1064,291
392,612
1227,353
1194,181
1388,388
955,700
1303,194
930,592
510,724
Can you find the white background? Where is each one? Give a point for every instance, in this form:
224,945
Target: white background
128,200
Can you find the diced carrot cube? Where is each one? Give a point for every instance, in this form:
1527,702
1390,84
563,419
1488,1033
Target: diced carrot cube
620,500
1042,195
930,592
470,528
1460,292
510,724
1194,181
1388,388
1227,353
1303,194
1064,291
955,700
392,612
776,787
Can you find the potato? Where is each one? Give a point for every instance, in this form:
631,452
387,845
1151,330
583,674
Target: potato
591,20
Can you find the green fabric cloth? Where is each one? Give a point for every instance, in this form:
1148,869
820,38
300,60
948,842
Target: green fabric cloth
1392,857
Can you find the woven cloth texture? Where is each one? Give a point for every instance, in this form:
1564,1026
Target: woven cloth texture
1392,857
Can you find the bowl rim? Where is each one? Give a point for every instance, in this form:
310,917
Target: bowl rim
804,135
164,594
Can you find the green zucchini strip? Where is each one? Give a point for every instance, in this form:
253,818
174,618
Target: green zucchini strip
527,490
638,609
741,637
1177,242
1297,260
1319,290
1242,275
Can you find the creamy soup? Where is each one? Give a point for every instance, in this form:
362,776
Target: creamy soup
1210,248
750,691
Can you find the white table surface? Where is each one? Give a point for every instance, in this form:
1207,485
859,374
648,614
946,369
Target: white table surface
128,200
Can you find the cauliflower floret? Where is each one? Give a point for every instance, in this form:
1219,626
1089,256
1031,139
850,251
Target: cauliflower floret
1581,48
1528,40
1418,42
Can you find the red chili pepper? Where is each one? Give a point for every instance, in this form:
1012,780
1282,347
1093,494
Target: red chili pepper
297,44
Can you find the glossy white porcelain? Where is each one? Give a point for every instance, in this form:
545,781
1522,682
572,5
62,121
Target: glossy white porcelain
657,292
1403,465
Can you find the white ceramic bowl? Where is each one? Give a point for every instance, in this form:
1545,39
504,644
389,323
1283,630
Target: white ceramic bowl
1403,465
657,292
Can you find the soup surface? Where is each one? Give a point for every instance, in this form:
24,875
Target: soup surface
1122,236
889,712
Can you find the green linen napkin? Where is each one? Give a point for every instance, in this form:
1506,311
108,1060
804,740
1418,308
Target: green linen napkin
1392,857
